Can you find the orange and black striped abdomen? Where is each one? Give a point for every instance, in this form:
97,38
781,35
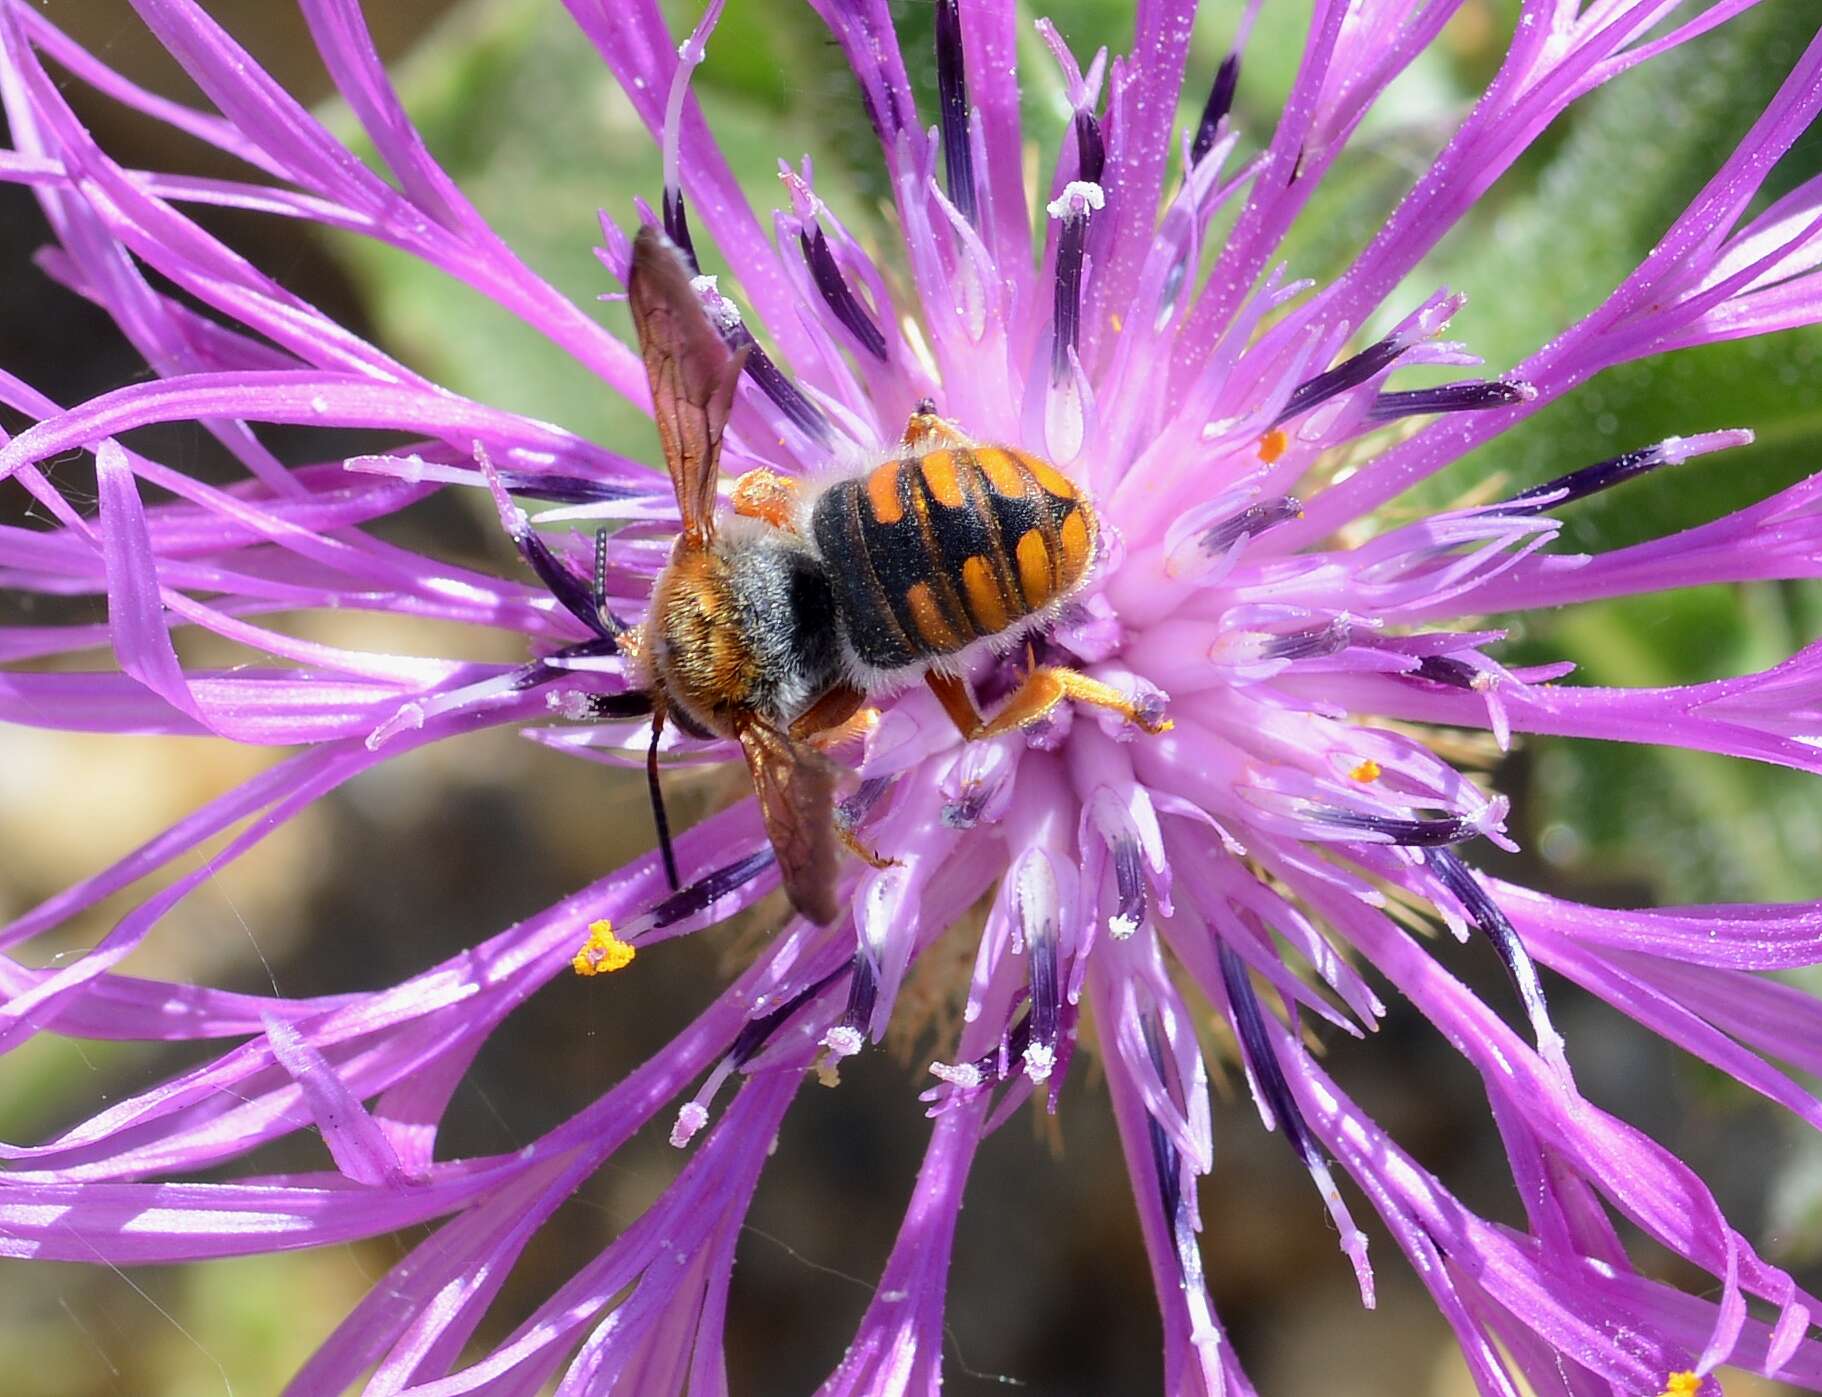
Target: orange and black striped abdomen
930,553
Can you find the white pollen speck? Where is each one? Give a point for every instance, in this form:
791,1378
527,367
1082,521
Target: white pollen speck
721,310
691,1118
1040,1061
843,1041
319,405
570,703
962,1074
1077,198
1120,926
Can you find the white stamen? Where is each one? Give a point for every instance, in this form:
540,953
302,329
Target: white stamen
692,1116
1077,198
1040,1061
843,1041
721,310
961,1074
569,703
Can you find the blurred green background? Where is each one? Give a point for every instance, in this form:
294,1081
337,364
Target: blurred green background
439,850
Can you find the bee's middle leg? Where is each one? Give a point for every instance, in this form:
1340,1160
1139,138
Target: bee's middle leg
831,720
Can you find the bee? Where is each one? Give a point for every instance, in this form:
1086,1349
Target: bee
776,619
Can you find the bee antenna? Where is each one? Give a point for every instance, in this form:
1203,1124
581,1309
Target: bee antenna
598,592
600,588
659,818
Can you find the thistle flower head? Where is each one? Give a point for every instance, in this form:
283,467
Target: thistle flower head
1268,853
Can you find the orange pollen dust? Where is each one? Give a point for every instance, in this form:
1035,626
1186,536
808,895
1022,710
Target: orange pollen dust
1272,444
603,953
1367,770
764,494
1684,1384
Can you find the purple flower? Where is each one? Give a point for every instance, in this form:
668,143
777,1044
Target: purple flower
1231,427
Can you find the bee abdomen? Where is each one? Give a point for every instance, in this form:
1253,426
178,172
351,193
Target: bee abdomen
928,554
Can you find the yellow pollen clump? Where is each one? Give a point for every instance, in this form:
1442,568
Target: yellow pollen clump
1368,770
1115,321
603,953
1272,444
1683,1384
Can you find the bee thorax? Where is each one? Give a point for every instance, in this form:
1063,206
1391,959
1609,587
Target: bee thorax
747,626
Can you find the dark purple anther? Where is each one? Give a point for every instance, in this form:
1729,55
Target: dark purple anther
606,708
1349,373
1046,997
1589,480
1311,644
838,294
677,227
995,1064
1169,1167
1164,1156
1450,397
952,92
1129,883
577,596
1220,103
863,992
1090,149
1413,833
852,812
758,1032
1068,308
803,414
1440,669
705,891
636,703
1267,1071
1073,205
568,489
1459,879
1253,520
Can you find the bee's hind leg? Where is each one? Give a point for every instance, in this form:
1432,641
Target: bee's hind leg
1036,697
871,857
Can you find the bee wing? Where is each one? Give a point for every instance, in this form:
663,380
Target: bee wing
796,786
692,373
